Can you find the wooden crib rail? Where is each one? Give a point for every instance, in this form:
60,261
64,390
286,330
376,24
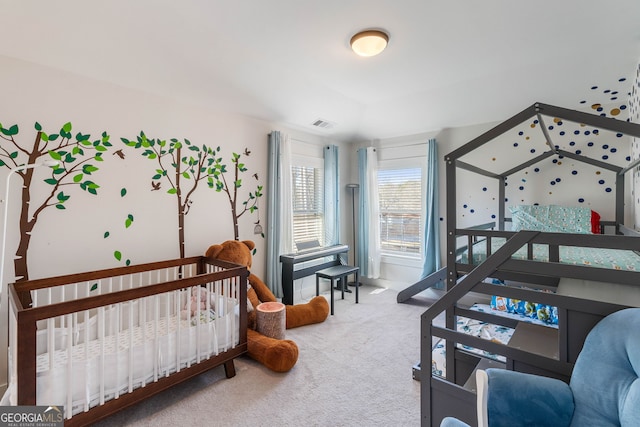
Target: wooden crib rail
198,271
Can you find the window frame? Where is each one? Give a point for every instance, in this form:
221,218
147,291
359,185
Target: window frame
298,160
406,162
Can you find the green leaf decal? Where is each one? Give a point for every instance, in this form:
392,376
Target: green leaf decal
123,192
51,181
38,127
94,287
67,127
78,178
128,262
106,234
117,255
172,191
128,221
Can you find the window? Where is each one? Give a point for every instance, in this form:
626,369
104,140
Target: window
401,207
308,191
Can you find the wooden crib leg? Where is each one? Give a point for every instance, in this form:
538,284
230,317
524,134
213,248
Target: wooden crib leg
229,369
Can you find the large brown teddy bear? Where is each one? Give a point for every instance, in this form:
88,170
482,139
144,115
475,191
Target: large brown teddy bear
277,355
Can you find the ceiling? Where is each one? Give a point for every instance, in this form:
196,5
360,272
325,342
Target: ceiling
448,63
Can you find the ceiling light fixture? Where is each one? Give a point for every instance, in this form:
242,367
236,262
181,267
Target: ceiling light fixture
369,42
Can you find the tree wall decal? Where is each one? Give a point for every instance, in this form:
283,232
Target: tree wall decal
76,155
250,204
182,165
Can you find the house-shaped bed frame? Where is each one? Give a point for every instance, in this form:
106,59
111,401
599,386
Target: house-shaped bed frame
533,348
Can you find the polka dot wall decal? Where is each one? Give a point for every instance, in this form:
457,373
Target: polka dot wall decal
484,188
590,144
598,172
595,106
613,149
533,150
552,183
536,170
605,146
578,151
605,157
608,190
574,172
572,143
601,182
615,112
594,87
580,200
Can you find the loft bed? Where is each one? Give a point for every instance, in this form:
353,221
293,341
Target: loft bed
520,264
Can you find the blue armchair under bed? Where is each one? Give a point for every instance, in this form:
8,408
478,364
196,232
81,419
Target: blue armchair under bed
604,389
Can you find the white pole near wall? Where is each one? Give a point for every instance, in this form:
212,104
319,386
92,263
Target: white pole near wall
4,307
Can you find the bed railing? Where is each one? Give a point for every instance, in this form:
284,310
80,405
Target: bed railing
520,279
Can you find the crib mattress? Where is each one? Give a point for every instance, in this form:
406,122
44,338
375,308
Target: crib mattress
616,259
102,369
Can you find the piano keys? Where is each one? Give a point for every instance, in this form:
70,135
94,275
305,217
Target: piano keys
289,261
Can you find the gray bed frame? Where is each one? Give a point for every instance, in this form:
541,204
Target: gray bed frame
532,348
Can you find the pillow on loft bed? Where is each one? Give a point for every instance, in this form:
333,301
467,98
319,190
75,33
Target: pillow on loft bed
555,219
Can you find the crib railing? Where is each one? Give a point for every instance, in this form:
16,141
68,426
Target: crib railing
93,337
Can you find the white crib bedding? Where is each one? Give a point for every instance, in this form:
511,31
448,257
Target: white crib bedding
102,369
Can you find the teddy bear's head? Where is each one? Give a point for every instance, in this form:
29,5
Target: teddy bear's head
233,251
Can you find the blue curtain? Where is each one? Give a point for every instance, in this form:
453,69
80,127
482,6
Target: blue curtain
279,214
331,196
363,203
368,256
431,229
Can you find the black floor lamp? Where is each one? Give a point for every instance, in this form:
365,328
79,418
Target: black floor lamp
353,188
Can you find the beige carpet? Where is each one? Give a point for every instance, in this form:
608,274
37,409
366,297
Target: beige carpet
353,370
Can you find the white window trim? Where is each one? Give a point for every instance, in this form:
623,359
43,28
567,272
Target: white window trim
397,258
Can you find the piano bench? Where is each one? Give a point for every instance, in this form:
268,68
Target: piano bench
338,273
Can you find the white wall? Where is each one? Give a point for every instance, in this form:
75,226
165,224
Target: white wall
72,240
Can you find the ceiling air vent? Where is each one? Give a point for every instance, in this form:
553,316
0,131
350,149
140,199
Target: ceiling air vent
322,124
